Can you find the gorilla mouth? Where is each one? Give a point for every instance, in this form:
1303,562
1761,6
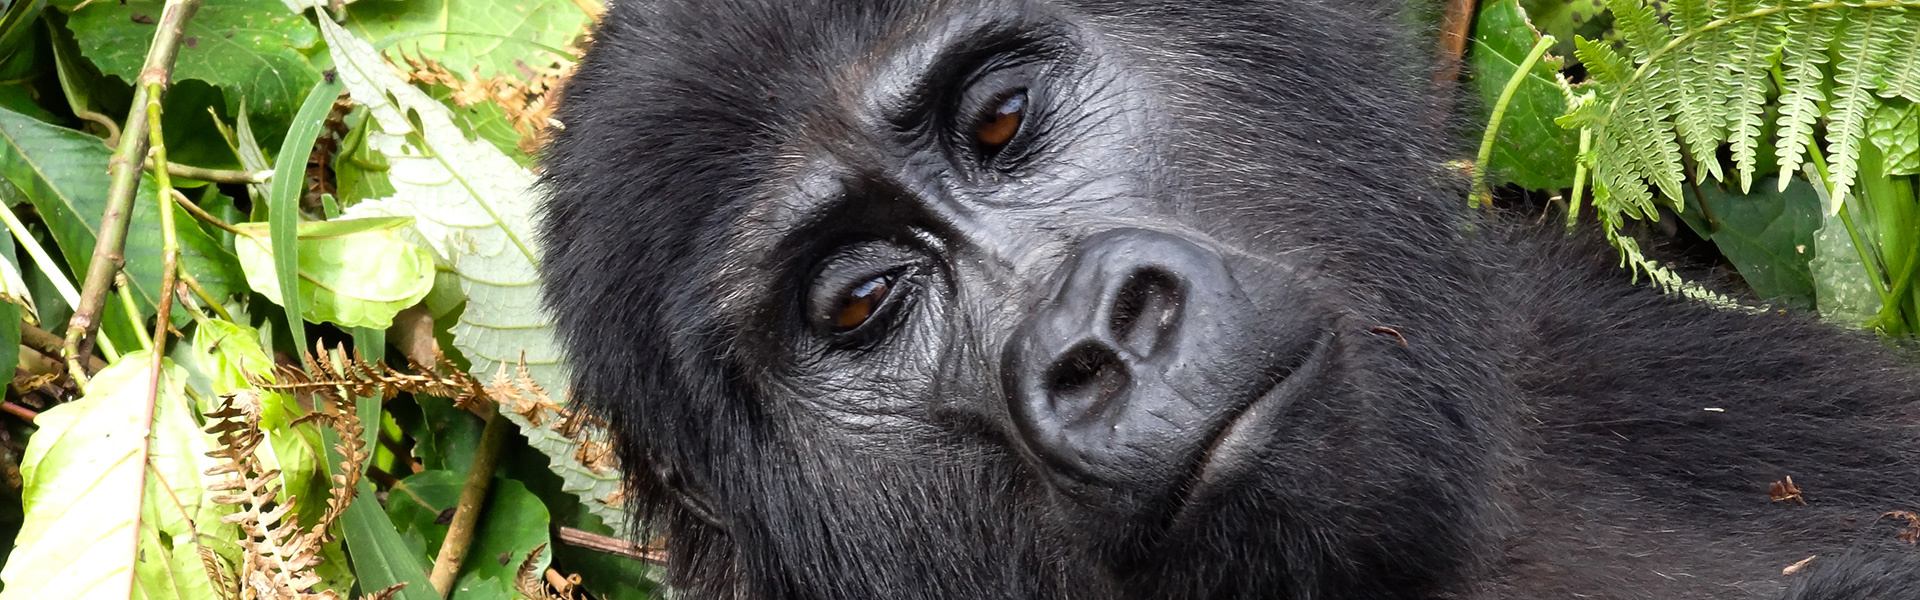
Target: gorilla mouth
1237,446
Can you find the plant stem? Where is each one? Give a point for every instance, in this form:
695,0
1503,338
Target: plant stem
155,73
169,261
214,175
1481,195
203,215
212,302
41,259
45,342
24,413
1579,178
169,238
466,514
132,309
610,545
1455,23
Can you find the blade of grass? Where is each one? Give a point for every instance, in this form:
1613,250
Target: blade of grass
283,198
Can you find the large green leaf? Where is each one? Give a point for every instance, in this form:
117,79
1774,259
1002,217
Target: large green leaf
514,523
83,475
474,206
64,173
252,49
1896,131
356,272
1843,290
1769,237
487,37
1532,151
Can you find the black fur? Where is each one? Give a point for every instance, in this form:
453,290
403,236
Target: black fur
1499,413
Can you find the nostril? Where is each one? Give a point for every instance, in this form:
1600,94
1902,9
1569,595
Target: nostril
1144,308
1085,381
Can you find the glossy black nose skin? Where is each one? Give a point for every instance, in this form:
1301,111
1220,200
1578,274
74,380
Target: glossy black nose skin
1146,349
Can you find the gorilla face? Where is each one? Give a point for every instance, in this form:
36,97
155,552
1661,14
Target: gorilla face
993,299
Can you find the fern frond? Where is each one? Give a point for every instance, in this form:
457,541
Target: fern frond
1613,156
1646,118
1747,80
280,554
1699,110
1861,47
1902,78
1703,79
1804,54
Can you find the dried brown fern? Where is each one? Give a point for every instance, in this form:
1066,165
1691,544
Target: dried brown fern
523,396
341,376
527,101
532,583
278,555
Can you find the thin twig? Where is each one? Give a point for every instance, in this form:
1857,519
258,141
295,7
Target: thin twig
125,167
108,247
1455,24
610,545
211,302
45,342
24,413
466,514
214,175
203,215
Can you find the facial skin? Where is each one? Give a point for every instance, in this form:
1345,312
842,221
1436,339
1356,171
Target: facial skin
1009,299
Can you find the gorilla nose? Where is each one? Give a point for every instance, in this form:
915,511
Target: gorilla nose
1146,348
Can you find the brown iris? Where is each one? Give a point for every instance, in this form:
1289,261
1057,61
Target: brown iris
861,302
996,128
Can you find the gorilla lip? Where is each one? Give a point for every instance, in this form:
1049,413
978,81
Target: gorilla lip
1237,441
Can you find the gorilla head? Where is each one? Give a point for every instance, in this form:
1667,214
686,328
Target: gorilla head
1031,299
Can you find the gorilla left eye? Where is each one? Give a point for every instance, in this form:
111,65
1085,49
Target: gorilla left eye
999,124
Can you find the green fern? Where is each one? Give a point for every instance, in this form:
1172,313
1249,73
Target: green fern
1701,79
1709,75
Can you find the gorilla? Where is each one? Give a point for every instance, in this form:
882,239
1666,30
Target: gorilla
1171,299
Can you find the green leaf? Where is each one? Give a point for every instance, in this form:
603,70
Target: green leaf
16,23
1896,131
515,522
362,172
14,296
1843,290
83,472
1769,236
357,272
1532,151
446,437
465,37
473,205
64,173
381,557
251,49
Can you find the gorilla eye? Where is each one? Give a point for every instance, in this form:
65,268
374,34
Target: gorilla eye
858,304
1000,123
